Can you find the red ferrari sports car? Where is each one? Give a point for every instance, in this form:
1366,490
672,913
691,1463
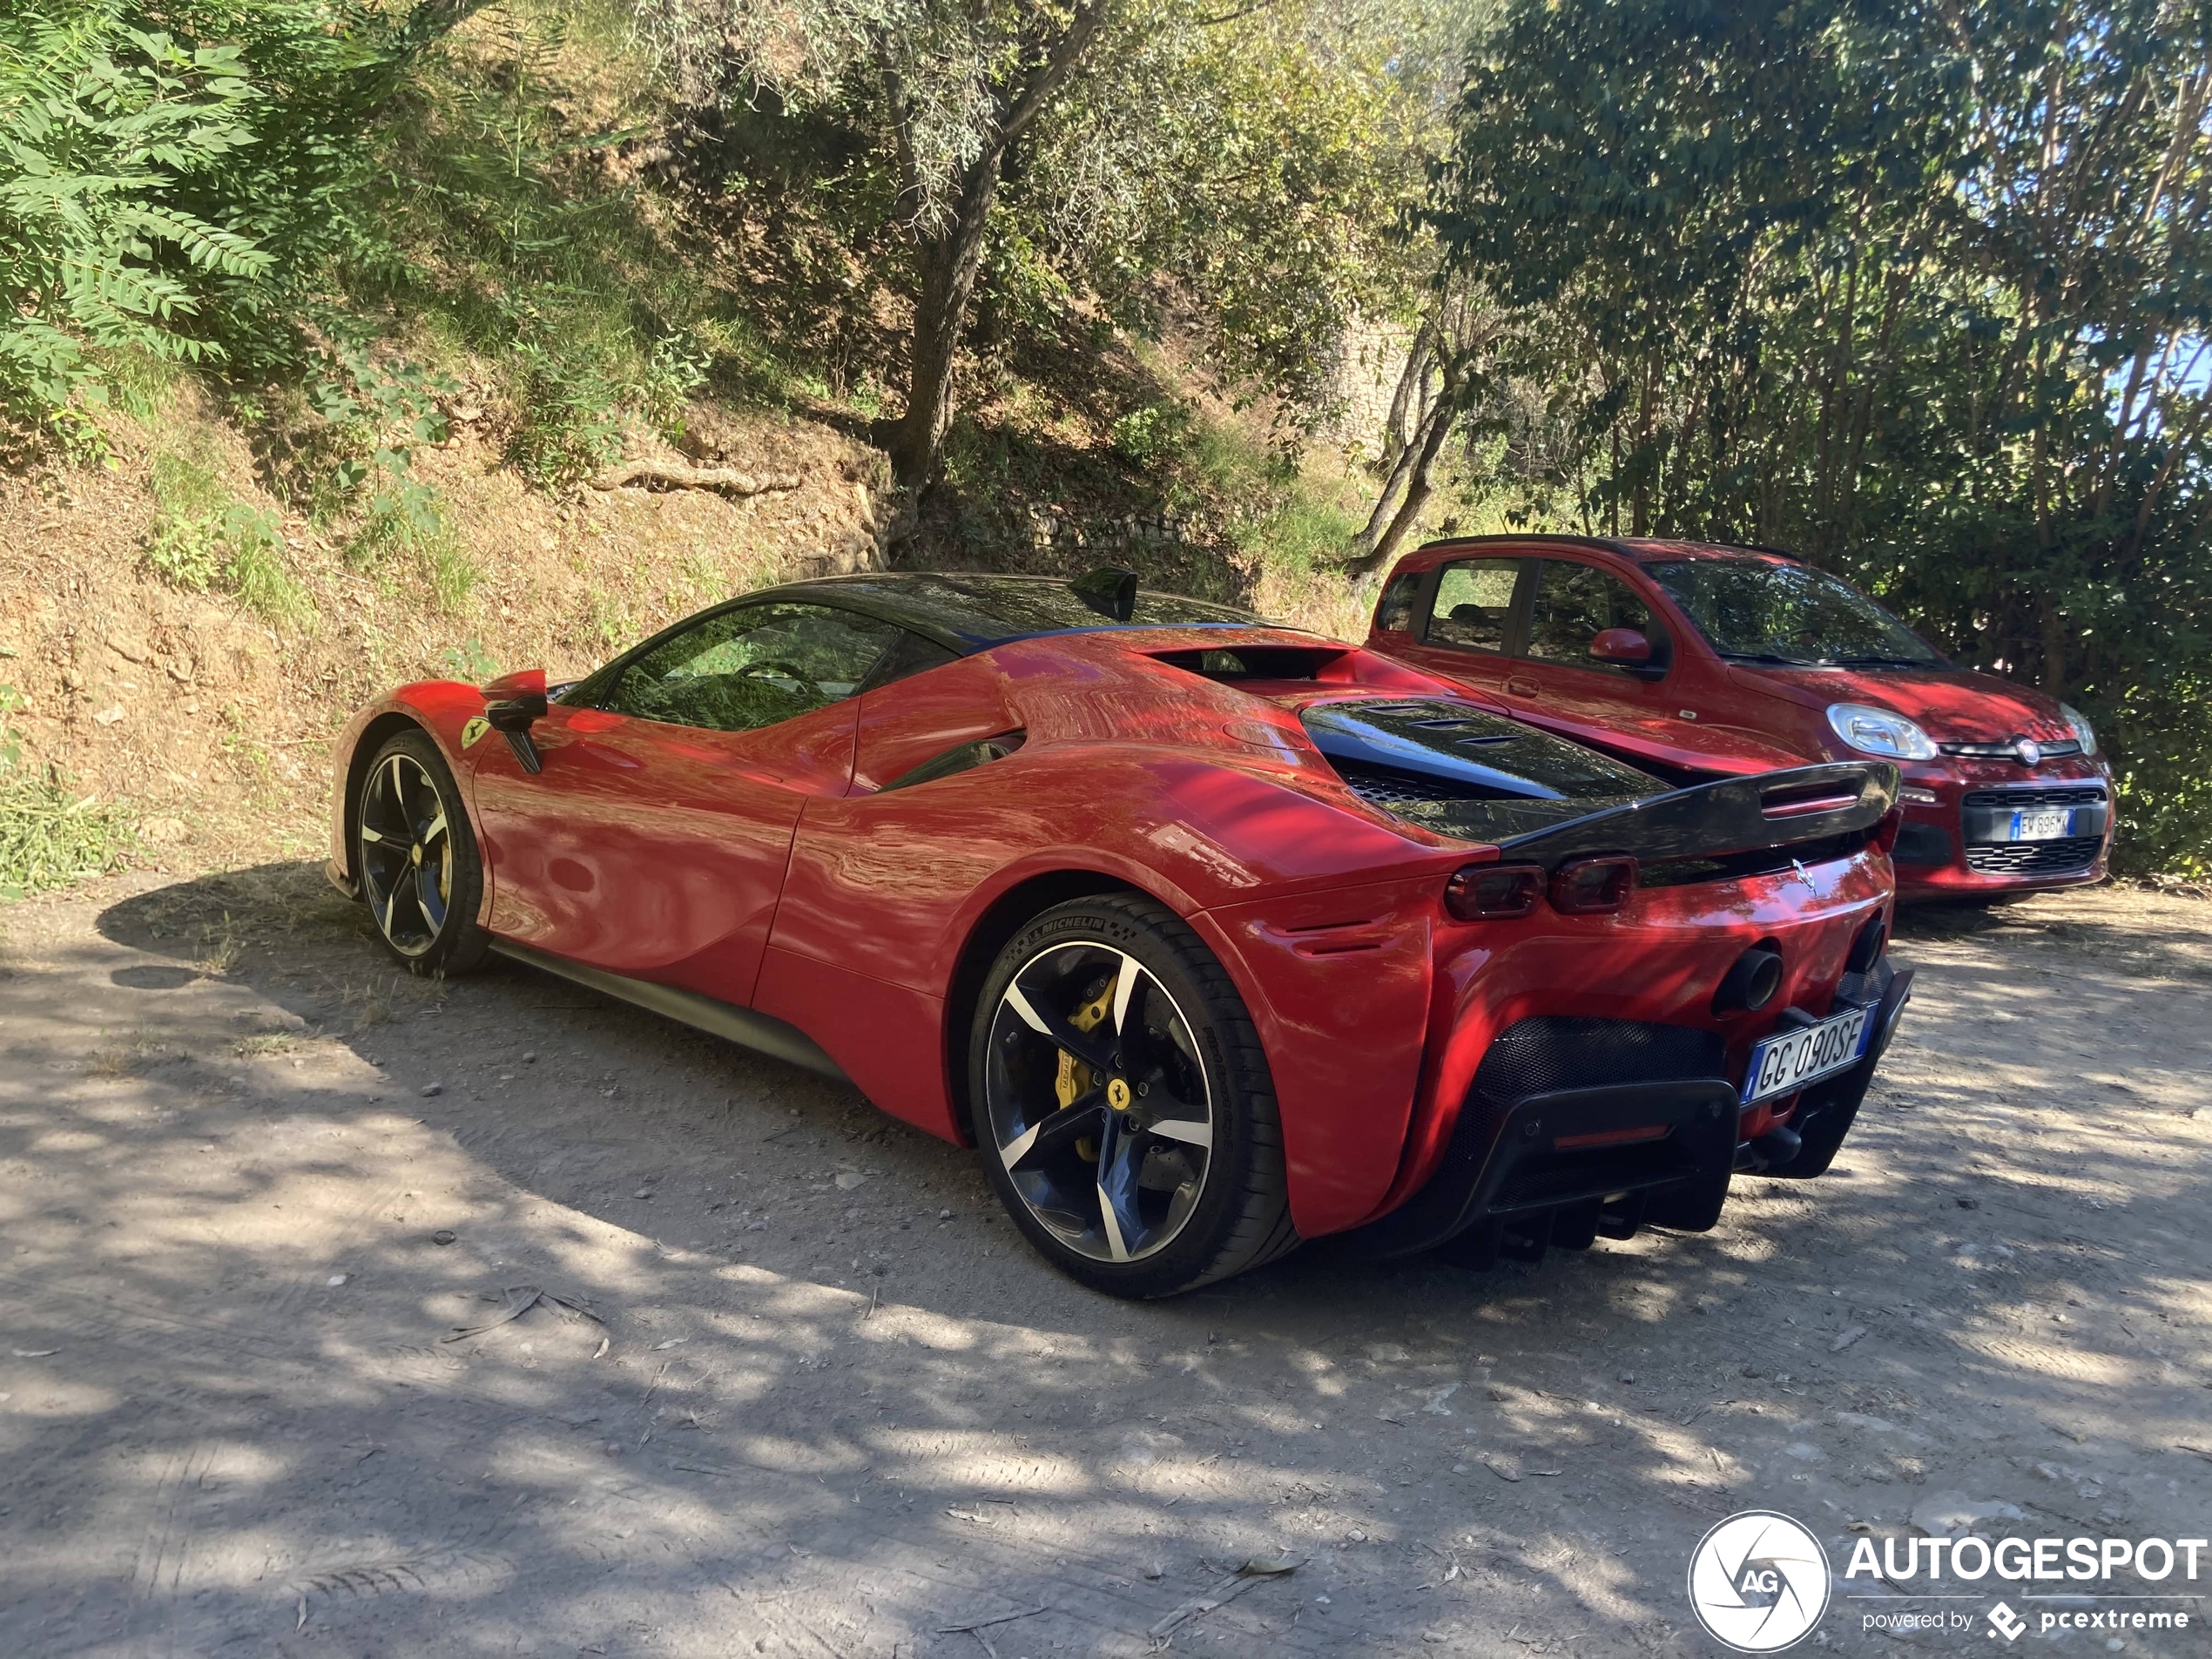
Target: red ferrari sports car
1214,936
1698,661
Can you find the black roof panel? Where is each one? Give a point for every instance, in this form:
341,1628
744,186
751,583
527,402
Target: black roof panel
973,611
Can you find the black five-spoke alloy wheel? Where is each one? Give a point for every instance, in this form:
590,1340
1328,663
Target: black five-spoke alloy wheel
416,857
1123,1102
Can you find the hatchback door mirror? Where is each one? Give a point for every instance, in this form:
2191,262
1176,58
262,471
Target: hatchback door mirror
1623,647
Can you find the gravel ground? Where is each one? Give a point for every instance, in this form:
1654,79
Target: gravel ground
824,1402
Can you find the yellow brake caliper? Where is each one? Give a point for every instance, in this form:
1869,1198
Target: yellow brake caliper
1075,1079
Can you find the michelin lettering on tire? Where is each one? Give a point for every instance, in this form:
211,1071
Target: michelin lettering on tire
1758,1581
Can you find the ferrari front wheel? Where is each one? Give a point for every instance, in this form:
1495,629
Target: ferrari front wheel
420,874
1124,1103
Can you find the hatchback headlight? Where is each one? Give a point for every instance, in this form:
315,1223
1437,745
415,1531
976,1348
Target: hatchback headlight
2083,731
1877,731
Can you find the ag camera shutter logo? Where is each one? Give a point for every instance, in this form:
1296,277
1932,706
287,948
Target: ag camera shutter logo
1758,1581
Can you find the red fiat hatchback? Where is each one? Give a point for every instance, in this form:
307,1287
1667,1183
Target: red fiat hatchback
1696,661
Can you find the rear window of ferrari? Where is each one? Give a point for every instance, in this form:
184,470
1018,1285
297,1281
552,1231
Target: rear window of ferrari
995,608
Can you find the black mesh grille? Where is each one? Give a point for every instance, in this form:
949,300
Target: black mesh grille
2033,858
1537,1056
1392,791
2083,795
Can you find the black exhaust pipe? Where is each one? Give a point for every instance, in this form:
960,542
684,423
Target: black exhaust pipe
1750,983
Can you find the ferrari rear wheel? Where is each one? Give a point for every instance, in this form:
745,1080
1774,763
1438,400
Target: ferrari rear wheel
1124,1103
420,874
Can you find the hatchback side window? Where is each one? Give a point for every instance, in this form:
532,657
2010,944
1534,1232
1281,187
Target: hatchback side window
752,666
1473,606
1394,611
1574,605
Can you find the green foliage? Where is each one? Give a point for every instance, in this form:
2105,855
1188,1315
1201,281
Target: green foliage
452,575
202,537
178,179
255,570
2165,786
1920,293
50,837
471,661
1148,435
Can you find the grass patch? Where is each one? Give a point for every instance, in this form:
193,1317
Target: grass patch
203,536
51,837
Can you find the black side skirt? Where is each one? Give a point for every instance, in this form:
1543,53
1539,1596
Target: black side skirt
760,1032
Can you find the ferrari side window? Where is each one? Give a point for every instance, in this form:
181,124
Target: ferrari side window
740,669
1473,607
911,654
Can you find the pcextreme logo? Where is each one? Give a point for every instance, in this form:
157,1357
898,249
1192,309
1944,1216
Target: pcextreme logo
1758,1581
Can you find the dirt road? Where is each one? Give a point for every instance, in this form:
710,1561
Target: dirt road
251,1183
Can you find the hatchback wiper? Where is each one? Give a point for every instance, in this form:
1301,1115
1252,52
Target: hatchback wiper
1767,656
1879,662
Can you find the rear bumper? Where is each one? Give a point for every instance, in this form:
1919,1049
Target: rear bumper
1377,1008
1529,1168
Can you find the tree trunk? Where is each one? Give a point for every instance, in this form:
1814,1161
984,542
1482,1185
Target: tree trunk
1417,487
950,261
951,254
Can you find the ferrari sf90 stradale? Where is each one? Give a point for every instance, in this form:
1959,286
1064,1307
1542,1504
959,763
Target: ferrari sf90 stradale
1212,935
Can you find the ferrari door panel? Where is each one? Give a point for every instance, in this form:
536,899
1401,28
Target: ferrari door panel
653,850
655,841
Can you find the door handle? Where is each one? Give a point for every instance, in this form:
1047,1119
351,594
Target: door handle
1520,686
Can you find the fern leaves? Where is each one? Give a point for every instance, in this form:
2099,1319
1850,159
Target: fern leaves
171,195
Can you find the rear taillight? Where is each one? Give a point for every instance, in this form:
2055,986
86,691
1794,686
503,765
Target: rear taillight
1495,892
1590,886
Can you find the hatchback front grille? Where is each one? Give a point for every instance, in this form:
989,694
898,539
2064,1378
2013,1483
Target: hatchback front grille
2057,749
2033,858
2067,795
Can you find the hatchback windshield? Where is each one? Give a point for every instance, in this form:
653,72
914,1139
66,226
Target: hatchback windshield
1791,615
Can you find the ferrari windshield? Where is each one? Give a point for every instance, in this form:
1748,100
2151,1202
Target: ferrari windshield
1789,615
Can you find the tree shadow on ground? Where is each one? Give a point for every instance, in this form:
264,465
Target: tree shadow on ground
832,1418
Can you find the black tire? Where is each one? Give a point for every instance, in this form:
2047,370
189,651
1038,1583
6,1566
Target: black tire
423,898
1202,1198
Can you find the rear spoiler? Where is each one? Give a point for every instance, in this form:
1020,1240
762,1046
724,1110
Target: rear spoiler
1773,809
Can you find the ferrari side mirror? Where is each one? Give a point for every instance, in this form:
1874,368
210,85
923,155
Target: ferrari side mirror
512,706
516,713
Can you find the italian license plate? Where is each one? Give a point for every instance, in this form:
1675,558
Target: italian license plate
1789,1060
2051,824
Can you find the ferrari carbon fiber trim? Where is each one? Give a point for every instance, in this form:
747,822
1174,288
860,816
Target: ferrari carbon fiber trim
743,1026
1775,809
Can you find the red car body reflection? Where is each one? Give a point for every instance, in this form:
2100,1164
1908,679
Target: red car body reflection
778,871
